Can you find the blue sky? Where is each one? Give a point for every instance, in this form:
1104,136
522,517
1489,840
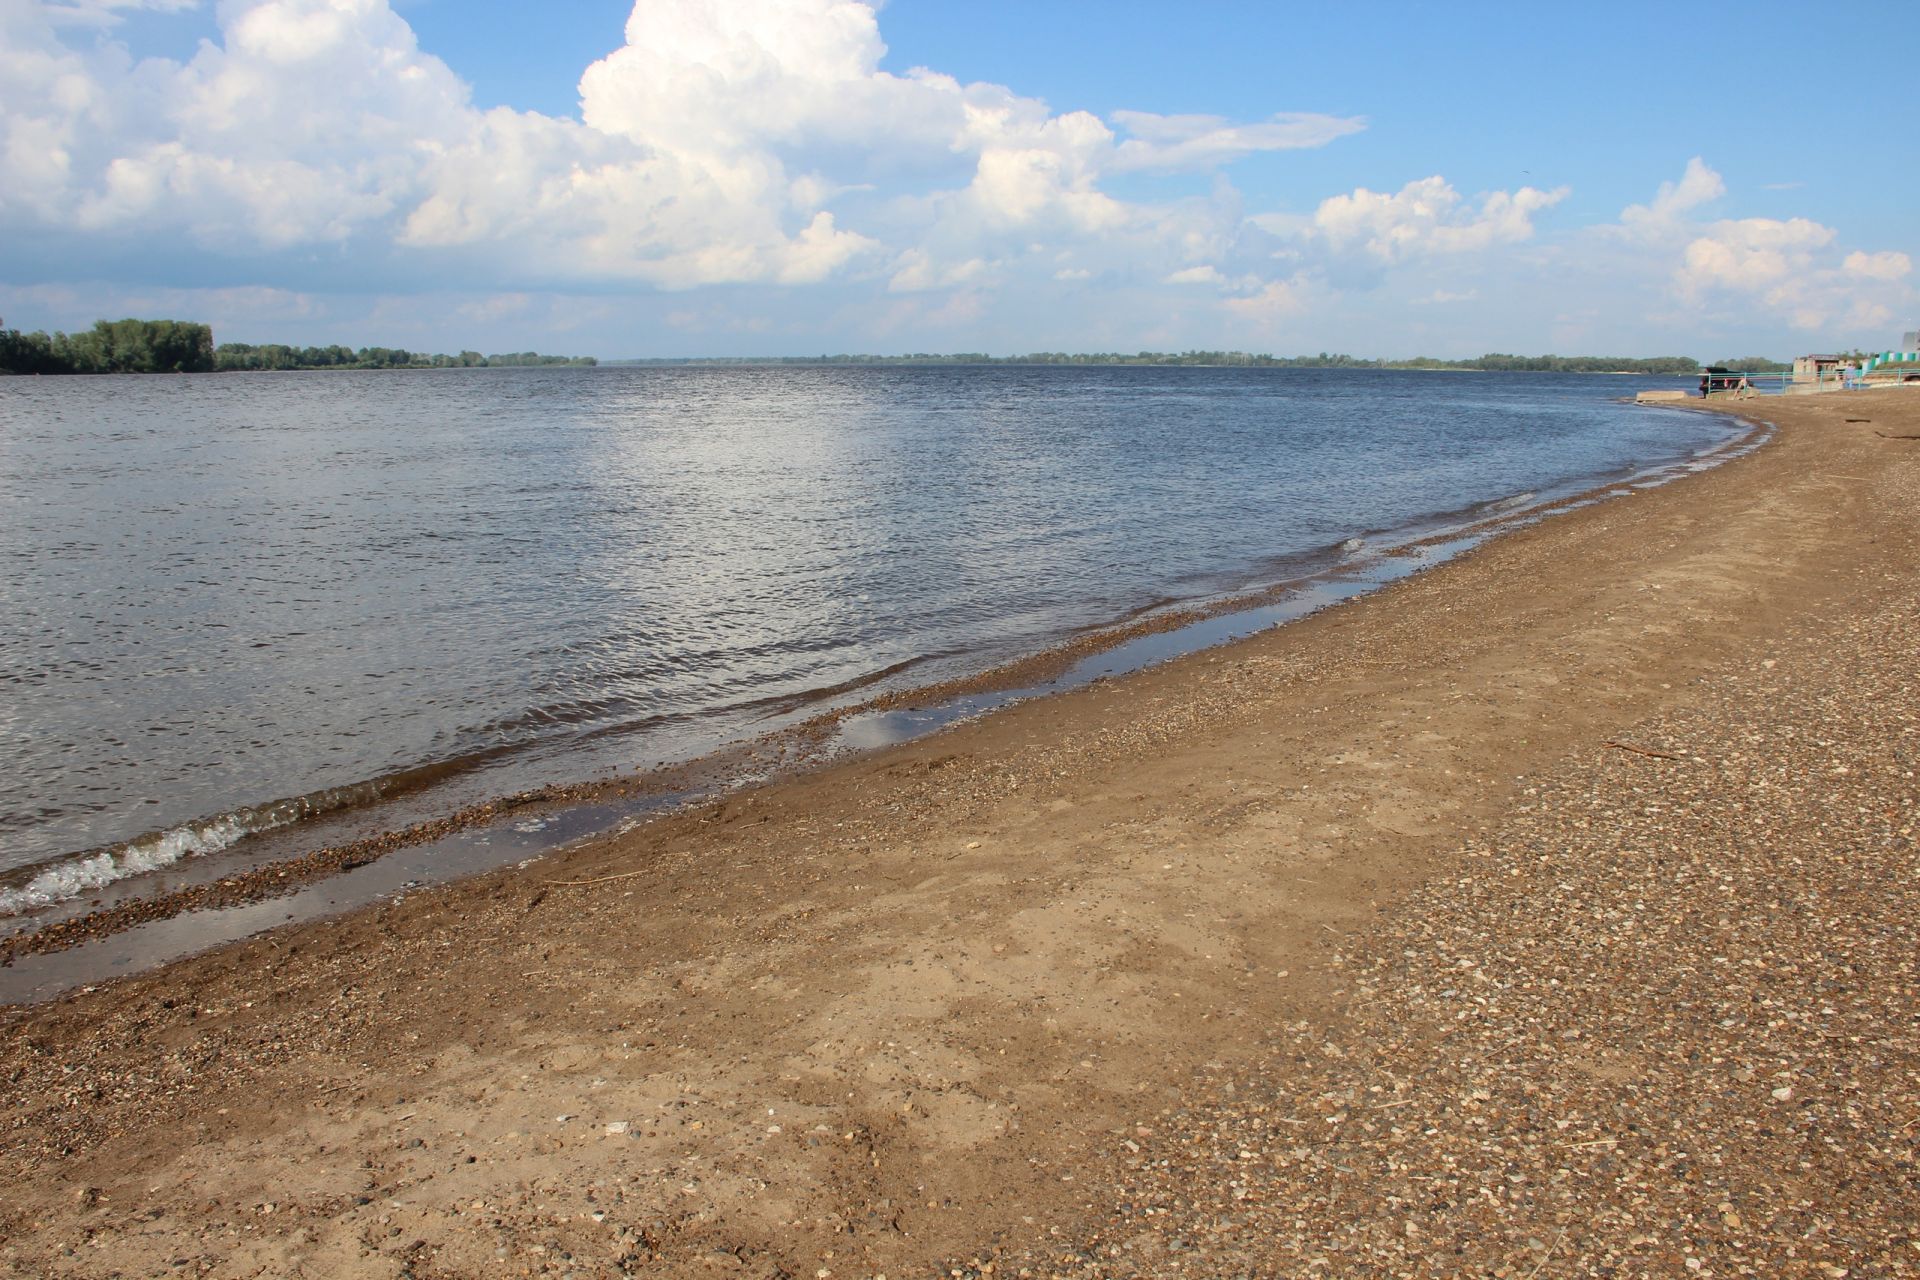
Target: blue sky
692,177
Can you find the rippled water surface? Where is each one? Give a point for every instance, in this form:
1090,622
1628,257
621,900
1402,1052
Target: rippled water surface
221,592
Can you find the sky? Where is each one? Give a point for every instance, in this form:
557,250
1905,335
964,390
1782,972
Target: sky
796,177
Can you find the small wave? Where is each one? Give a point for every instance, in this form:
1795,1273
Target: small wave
1352,546
148,854
162,849
1513,503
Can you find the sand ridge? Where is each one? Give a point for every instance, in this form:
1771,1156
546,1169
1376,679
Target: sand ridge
917,1010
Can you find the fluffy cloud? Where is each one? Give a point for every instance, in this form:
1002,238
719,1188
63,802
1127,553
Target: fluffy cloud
760,143
308,122
1665,214
1428,217
916,271
1784,266
1750,254
1877,266
708,148
1273,301
1789,268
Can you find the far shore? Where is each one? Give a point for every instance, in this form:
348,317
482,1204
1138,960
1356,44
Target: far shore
1552,912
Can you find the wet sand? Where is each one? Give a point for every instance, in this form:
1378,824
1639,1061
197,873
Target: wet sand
1173,943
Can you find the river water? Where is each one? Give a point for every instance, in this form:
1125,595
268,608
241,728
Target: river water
234,602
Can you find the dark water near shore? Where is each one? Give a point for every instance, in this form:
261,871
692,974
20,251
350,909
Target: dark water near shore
230,603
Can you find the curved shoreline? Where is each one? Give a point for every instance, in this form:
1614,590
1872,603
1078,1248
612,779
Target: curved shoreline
815,742
1171,964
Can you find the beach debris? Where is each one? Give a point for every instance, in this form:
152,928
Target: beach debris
1641,751
577,884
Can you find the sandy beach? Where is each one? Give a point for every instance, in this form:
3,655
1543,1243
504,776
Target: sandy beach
1549,913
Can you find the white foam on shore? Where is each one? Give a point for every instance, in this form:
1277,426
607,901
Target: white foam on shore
1513,503
157,852
154,853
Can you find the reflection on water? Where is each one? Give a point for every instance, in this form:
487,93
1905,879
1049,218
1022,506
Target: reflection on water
216,592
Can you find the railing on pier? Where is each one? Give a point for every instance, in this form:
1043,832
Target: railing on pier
1759,384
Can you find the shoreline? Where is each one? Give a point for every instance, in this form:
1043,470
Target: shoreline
195,790
821,739
926,1008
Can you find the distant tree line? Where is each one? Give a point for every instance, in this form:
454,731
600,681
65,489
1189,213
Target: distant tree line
1493,362
1497,362
111,346
179,346
275,356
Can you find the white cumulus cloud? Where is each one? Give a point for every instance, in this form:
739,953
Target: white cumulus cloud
1271,302
1667,211
1886,265
1428,217
1750,253
722,143
1787,268
916,270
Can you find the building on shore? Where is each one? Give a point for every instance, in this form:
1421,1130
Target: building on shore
1816,368
1814,373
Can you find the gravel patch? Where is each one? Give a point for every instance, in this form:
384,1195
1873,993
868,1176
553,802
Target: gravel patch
1662,1023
